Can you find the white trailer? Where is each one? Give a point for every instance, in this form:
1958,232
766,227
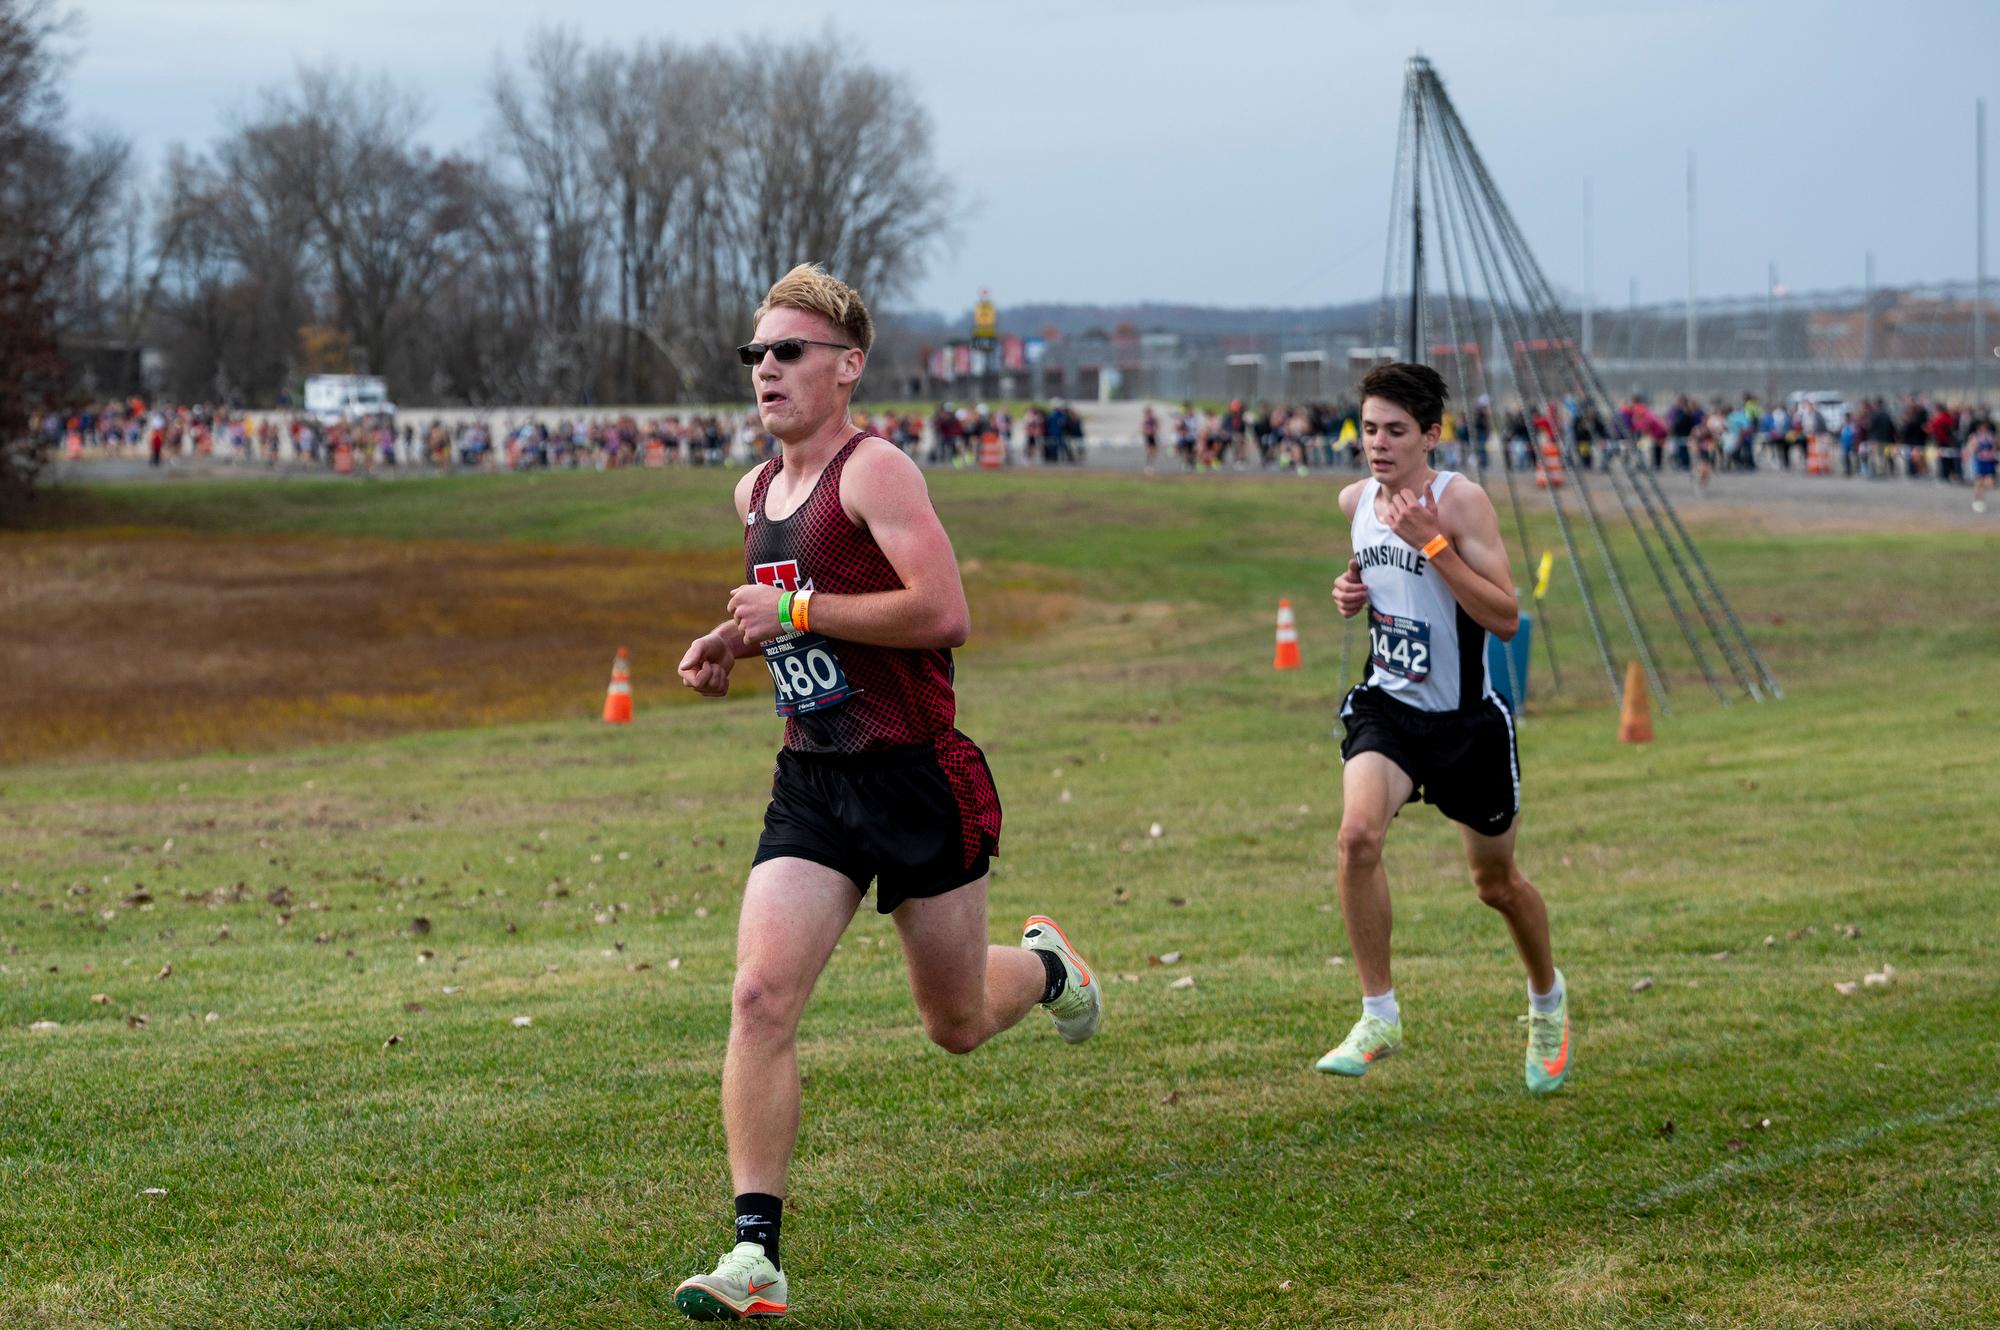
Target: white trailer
347,397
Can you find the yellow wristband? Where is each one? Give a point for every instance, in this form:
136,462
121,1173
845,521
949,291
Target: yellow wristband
801,608
1438,545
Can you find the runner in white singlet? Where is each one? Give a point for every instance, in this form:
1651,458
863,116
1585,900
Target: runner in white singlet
1431,573
1425,649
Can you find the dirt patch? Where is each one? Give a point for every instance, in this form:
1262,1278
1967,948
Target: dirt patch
128,643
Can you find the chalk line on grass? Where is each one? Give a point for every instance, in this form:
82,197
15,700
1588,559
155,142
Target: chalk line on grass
1730,1172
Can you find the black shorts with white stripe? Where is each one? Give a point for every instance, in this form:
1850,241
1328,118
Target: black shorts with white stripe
1462,762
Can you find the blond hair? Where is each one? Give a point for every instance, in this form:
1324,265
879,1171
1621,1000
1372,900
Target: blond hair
811,288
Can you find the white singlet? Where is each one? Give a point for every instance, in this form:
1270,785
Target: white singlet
1424,650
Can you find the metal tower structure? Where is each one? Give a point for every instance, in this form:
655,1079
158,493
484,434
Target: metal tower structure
1500,316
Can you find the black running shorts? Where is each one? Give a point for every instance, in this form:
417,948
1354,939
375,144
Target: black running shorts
919,820
1463,762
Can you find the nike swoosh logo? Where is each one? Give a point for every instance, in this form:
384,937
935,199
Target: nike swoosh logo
1562,1057
759,1288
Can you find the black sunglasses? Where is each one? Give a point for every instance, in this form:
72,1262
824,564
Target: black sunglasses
788,350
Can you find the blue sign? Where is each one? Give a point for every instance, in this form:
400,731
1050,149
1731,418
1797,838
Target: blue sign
1498,656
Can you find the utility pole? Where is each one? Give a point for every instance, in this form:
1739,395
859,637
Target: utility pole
1979,348
1868,313
1771,335
1587,301
1693,346
1771,313
1632,322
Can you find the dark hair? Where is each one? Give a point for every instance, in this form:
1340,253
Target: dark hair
1418,389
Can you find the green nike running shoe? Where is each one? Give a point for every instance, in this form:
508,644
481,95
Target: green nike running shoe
1081,1006
1548,1043
744,1284
1371,1040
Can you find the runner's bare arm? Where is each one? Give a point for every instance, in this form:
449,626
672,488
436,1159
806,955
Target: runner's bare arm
883,491
1350,593
705,667
1474,565
1350,498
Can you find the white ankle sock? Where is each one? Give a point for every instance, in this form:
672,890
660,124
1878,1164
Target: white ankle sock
1383,1008
1546,1002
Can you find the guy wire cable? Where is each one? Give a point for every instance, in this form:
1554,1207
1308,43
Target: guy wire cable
1452,237
1521,522
1770,681
1540,301
1482,224
1447,226
1673,601
1501,302
1642,479
1743,679
1465,157
1660,492
1595,387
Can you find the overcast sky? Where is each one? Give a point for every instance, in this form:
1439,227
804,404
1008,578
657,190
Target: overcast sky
1238,152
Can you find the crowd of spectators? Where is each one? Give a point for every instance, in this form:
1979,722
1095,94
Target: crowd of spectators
1289,437
162,435
1873,438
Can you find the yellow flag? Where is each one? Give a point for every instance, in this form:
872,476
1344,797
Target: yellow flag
1542,574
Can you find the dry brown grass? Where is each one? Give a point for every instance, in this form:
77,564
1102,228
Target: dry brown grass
124,643
132,642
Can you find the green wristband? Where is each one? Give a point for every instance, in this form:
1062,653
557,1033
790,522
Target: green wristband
785,612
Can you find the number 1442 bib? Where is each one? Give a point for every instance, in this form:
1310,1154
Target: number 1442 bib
806,674
1399,646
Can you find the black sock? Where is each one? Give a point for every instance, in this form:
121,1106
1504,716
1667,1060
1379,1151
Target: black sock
757,1219
1058,975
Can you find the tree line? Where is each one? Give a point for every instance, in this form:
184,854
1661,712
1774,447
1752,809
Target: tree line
59,202
606,242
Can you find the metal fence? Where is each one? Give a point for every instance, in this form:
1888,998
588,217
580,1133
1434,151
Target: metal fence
1883,341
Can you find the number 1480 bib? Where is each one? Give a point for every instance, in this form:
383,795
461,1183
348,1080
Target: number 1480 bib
806,674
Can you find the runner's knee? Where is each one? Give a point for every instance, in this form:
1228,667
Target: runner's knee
760,1007
1361,841
954,1033
1496,884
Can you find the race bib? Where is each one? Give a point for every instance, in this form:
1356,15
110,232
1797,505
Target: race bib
805,674
1399,646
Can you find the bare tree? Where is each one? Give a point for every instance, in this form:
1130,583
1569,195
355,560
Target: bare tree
637,203
56,201
545,129
656,112
385,214
832,164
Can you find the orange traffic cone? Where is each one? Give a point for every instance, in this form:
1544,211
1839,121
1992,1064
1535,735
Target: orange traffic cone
1288,639
618,697
1635,720
1549,472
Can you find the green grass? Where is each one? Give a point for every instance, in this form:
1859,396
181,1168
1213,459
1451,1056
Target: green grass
571,1172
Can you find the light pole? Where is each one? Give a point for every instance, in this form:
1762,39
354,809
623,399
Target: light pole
1692,339
1979,348
1587,298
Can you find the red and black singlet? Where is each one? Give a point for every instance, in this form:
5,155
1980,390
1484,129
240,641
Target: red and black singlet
901,696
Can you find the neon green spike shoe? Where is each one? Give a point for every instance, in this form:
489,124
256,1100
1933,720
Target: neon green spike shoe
744,1284
1081,1006
1371,1040
1548,1043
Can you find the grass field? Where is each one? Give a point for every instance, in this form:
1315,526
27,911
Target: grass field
1187,1166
